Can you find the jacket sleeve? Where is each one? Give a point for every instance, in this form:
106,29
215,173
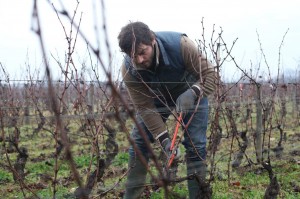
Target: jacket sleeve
199,66
143,101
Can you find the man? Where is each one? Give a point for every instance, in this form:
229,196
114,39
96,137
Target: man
163,70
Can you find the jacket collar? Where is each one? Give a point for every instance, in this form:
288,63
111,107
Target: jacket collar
163,52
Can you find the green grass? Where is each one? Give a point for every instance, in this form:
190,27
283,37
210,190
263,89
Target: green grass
121,159
180,189
5,177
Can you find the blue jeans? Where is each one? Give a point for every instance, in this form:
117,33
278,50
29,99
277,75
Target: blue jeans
194,138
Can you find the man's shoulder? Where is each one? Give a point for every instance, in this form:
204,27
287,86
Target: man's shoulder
169,33
127,70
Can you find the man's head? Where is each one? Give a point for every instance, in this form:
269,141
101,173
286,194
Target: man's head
137,41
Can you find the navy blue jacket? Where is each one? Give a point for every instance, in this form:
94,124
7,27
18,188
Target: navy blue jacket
169,77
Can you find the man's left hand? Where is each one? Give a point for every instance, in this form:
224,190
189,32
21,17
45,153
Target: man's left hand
186,101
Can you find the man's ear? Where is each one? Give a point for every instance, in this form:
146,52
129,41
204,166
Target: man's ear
153,42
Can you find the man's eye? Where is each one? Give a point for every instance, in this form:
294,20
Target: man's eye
137,54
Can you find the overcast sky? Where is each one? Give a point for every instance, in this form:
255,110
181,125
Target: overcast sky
238,19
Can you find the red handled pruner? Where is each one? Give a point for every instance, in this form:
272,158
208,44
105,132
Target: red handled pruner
174,139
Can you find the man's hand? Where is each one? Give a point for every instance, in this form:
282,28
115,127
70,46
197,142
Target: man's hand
170,171
166,145
186,101
165,142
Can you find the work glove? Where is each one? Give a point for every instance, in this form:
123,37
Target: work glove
186,101
170,171
166,145
165,142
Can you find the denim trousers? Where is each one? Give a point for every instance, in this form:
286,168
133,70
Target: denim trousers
194,135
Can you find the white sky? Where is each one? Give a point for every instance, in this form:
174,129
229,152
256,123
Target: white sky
240,19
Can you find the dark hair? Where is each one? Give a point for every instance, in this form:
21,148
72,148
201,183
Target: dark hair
134,33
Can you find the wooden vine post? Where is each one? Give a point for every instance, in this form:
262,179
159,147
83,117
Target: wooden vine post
259,126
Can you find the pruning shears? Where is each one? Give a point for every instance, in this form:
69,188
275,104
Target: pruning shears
172,148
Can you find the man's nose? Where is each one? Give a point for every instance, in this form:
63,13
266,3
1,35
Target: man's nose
139,59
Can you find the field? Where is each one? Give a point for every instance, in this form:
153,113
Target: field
43,157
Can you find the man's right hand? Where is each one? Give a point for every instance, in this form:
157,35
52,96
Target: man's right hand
170,171
166,145
165,142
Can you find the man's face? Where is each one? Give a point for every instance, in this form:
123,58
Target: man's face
144,54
